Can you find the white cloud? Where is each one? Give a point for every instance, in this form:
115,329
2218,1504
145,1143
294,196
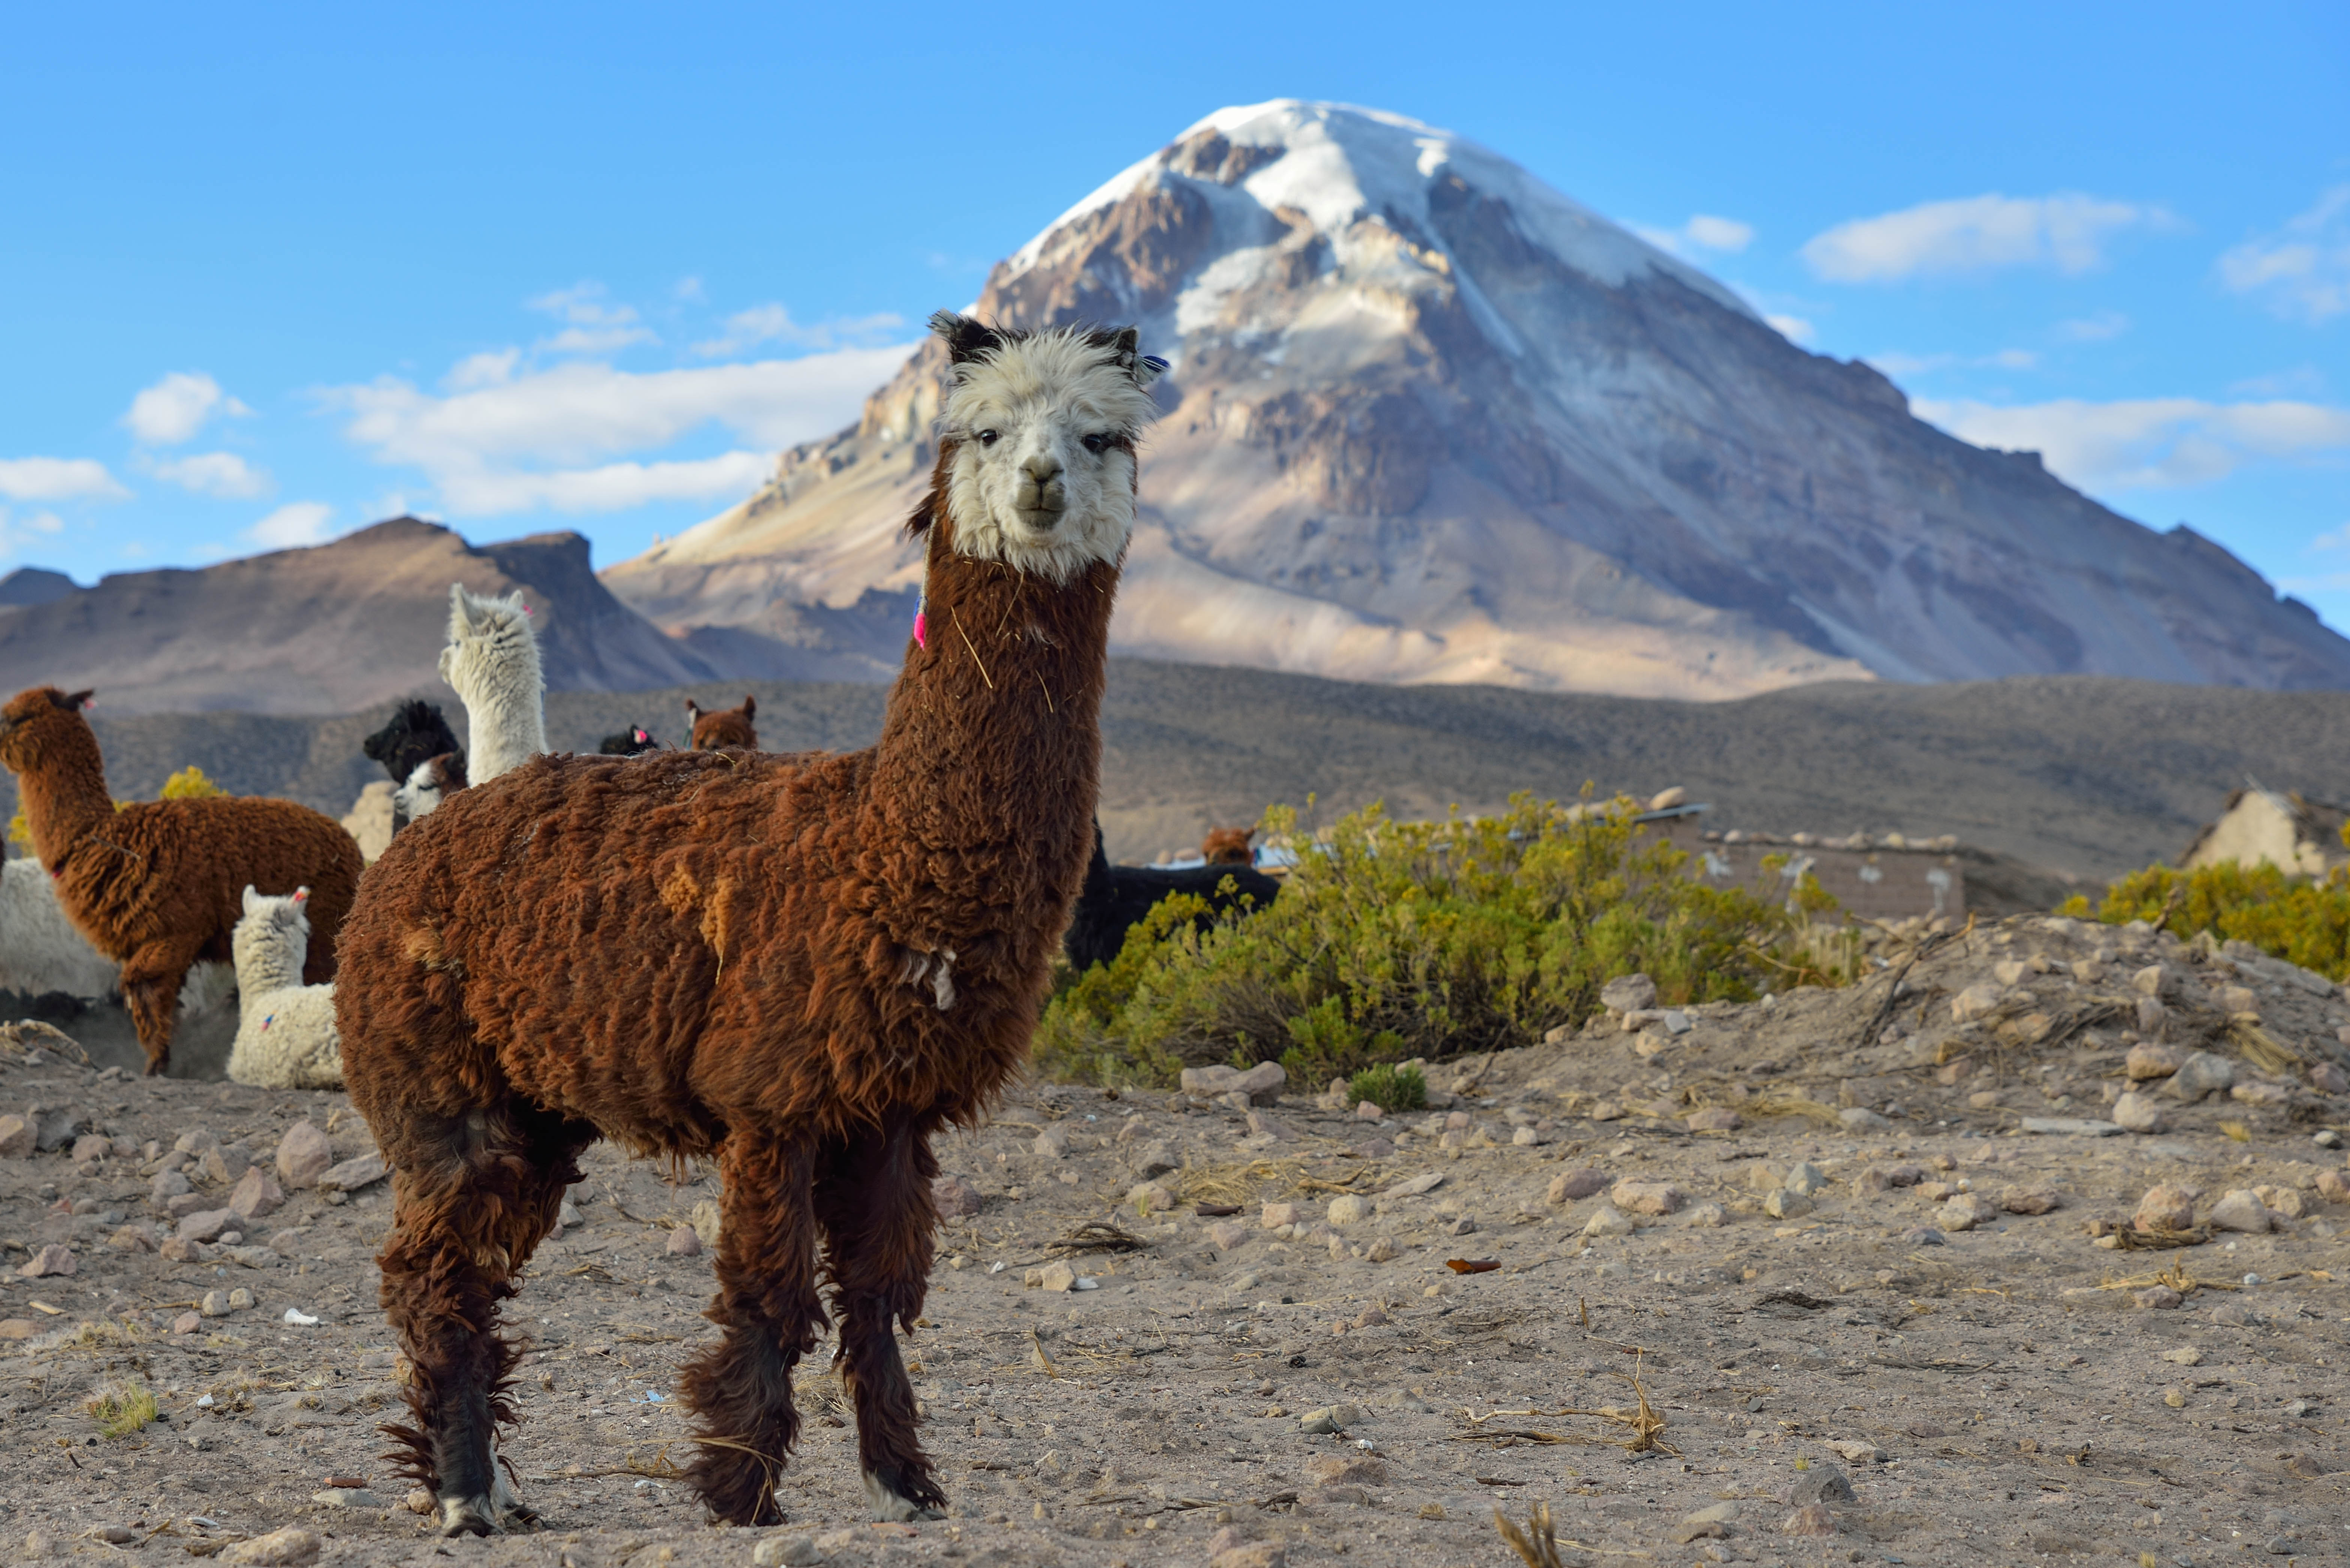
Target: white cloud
689,288
2303,269
219,473
295,523
175,407
2098,328
58,479
1703,232
493,368
2067,231
19,533
574,436
2302,381
774,324
2148,443
594,327
1793,328
1896,363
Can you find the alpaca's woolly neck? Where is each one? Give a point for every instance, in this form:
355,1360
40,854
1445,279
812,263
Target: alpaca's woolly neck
506,715
269,955
64,791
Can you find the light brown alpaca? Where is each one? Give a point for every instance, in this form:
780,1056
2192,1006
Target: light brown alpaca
727,727
799,967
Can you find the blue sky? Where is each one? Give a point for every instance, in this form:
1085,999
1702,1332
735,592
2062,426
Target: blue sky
270,273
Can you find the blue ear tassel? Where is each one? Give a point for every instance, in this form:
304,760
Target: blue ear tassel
1155,362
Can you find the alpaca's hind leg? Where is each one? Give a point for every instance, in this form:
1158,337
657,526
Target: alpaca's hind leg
874,1202
768,1306
473,1195
151,991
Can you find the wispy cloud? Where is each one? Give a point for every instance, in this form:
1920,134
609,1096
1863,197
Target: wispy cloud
20,533
1703,232
1793,328
295,523
219,473
592,325
58,479
2301,381
2149,443
2302,271
174,408
2067,231
1895,363
2104,326
588,437
764,324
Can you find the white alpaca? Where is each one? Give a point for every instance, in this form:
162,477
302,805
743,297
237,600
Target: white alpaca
434,781
286,1034
492,662
40,949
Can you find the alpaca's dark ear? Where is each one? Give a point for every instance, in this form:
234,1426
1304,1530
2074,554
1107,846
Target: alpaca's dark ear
966,340
77,701
1126,345
750,707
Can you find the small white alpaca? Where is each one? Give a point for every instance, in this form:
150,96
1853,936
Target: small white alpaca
286,1034
434,781
40,949
492,663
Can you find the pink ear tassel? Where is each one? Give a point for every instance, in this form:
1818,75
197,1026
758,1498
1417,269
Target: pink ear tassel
922,631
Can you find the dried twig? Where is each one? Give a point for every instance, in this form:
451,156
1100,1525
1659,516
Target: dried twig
1538,1544
1095,1236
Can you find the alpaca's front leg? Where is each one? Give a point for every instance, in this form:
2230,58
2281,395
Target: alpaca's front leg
151,991
768,1306
875,1206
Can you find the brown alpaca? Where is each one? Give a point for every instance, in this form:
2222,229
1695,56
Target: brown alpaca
1229,846
800,966
730,728
160,885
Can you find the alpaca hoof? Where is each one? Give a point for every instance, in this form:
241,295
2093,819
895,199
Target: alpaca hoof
466,1516
159,1066
892,1507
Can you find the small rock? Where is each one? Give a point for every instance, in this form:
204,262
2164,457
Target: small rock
2200,1075
1464,1226
254,1195
1058,1277
1857,1451
1368,1112
52,1258
1528,1138
1156,1159
2137,1113
1965,1211
1227,1234
1715,1118
2260,1093
1806,1179
1607,1111
2240,1210
1149,1197
1330,1418
787,1551
1812,1519
304,1155
2327,1078
1705,1217
353,1174
1250,1554
683,1242
279,1549
1648,1196
1382,1250
1412,1187
1780,1203
1607,1221
955,1197
2334,1186
2151,981
180,1250
205,1225
187,1323
1267,1124
1923,1236
1860,1119
1349,1209
1573,1186
214,1304
2149,1060
2238,999
1209,1080
418,1501
1276,1215
91,1147
2168,1207
2158,1298
16,1328
2285,1201
346,1497
1975,1002
2175,1398
1821,1483
2023,1199
2185,1355
1628,994
194,1142
1262,1083
17,1137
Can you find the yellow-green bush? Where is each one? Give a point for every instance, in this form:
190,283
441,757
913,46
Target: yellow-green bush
2304,919
1400,940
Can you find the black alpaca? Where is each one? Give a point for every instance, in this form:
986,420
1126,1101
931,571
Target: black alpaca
414,736
1115,899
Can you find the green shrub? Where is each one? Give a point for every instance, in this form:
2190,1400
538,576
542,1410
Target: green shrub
1393,940
2303,919
1389,1088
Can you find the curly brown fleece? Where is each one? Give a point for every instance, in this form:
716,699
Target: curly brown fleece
160,885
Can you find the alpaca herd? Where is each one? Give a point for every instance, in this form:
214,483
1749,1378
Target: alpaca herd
797,967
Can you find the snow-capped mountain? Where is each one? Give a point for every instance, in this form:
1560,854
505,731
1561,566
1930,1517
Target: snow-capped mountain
1431,420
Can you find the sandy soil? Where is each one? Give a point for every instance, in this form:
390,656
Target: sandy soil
1993,1393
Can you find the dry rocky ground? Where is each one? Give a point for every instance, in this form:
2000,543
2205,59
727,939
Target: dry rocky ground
1804,1264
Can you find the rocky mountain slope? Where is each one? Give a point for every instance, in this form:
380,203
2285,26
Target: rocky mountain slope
325,630
1431,420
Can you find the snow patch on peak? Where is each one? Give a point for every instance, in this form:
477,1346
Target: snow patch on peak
1340,163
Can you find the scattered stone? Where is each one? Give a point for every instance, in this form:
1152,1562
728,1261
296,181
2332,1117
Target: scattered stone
1705,1217
2137,1113
2240,1210
2258,1094
2160,1298
205,1225
214,1304
1368,1111
1821,1483
1262,1083
304,1155
2149,1060
1276,1215
418,1501
1382,1250
1806,1179
1607,1221
1975,1002
284,1548
1330,1418
954,1197
1050,1144
684,1242
1715,1119
1965,1211
2071,1127
2327,1078
2201,1076
1648,1196
17,1137
2168,1207
180,1250
1573,1186
1058,1277
16,1328
253,1196
2285,1201
787,1551
2175,1397
1812,1519
1857,1451
1628,994
2151,981
1149,1197
1860,1119
2185,1355
2333,1186
52,1258
346,1497
1250,1554
1349,1209
91,1147
2023,1199
1781,1203
1227,1234
1264,1124
1922,1236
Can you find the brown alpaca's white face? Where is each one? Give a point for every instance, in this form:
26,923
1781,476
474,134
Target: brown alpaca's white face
1043,428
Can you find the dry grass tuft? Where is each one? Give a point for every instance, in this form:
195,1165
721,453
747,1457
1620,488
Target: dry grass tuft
122,1407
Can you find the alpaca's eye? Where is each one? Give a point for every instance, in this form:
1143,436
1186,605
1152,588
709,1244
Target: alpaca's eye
988,438
1094,443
